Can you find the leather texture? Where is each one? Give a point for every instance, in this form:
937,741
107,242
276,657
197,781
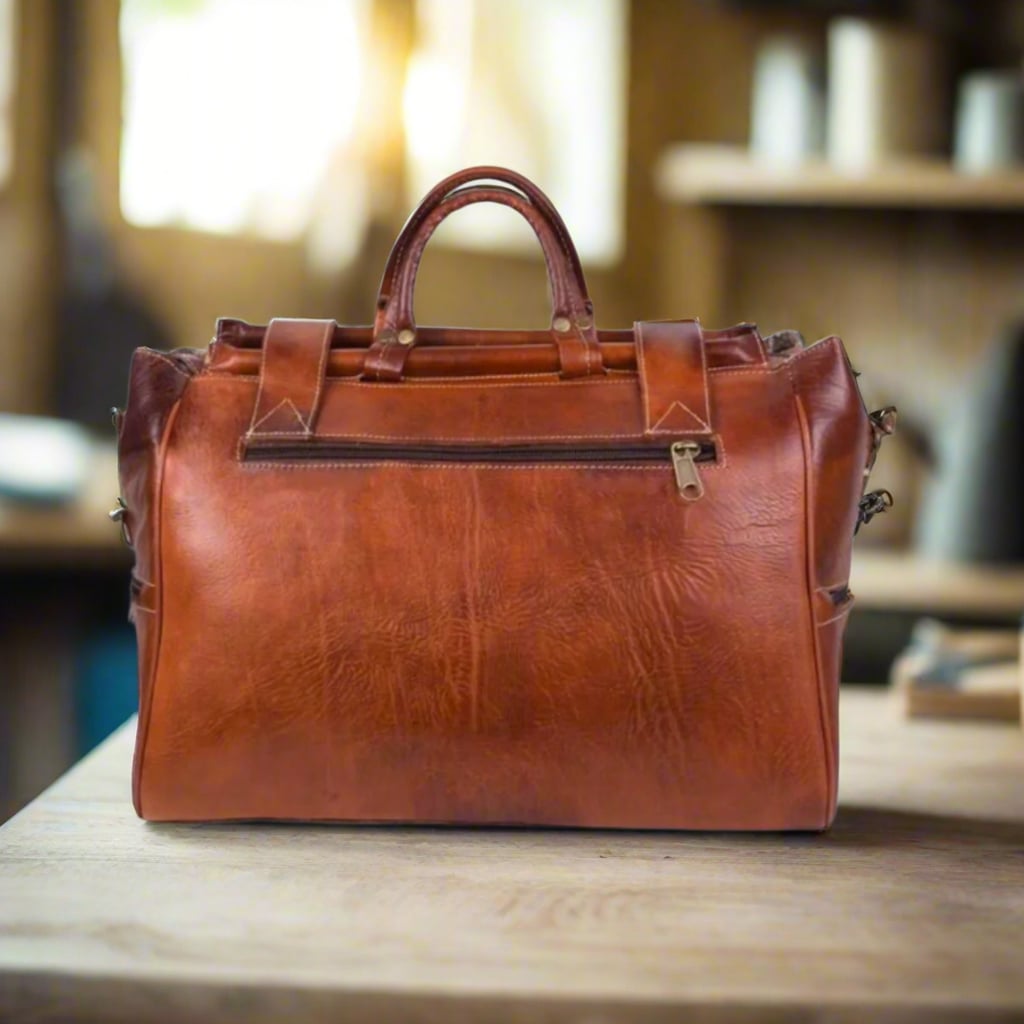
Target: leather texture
460,585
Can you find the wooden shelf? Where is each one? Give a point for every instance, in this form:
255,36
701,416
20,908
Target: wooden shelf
729,175
73,534
889,581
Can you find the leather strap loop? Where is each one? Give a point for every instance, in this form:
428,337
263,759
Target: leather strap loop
292,373
573,329
672,364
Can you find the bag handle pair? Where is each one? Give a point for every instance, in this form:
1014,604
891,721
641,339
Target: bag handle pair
572,319
671,359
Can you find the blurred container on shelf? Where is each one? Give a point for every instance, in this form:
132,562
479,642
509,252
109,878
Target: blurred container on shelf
960,673
990,122
57,486
971,511
42,459
788,102
886,96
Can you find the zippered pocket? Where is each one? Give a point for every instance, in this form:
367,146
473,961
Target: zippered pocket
682,456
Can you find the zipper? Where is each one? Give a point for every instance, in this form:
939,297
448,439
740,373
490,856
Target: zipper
683,456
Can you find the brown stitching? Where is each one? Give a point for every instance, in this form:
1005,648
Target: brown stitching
808,555
833,586
170,362
493,439
395,464
560,383
761,370
321,376
845,611
507,438
151,669
638,330
541,376
668,412
818,346
702,348
257,463
263,419
471,382
262,376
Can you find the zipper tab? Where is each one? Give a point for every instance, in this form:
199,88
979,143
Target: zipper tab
684,454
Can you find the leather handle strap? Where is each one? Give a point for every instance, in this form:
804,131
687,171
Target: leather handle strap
572,323
469,175
292,372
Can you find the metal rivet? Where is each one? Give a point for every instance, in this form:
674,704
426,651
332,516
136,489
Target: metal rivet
406,336
583,322
560,324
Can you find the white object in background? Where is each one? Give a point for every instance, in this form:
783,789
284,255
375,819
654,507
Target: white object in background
990,122
886,90
43,459
538,85
788,105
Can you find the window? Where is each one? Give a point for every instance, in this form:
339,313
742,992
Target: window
537,85
250,116
8,71
237,113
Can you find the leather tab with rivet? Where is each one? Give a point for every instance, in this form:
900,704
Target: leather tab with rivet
572,324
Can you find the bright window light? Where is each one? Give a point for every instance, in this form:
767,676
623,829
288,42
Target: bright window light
8,48
537,85
237,112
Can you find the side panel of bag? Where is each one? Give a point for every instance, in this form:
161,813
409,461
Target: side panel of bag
156,384
837,443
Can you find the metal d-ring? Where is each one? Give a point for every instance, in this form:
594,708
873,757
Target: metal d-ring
118,515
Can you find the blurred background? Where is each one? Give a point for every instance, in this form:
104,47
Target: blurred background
853,168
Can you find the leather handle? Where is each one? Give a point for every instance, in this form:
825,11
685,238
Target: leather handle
448,185
572,324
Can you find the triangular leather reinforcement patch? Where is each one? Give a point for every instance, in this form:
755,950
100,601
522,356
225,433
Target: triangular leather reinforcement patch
291,376
672,365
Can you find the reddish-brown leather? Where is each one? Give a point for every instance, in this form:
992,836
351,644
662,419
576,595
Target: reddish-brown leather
330,636
292,376
578,349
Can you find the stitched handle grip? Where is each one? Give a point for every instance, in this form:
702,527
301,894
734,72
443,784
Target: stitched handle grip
572,311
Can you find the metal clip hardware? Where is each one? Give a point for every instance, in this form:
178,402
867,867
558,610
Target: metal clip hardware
872,504
684,454
883,421
117,515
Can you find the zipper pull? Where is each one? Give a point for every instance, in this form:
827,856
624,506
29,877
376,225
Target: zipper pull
684,454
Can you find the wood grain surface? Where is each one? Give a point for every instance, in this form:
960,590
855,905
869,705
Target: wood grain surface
911,908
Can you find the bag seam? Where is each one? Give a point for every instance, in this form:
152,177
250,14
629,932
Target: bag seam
142,737
398,464
809,585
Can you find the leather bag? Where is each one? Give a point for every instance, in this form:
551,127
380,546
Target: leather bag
565,577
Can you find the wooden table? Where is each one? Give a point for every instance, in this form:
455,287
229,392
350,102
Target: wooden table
912,905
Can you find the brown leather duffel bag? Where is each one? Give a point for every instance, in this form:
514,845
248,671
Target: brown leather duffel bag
563,577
